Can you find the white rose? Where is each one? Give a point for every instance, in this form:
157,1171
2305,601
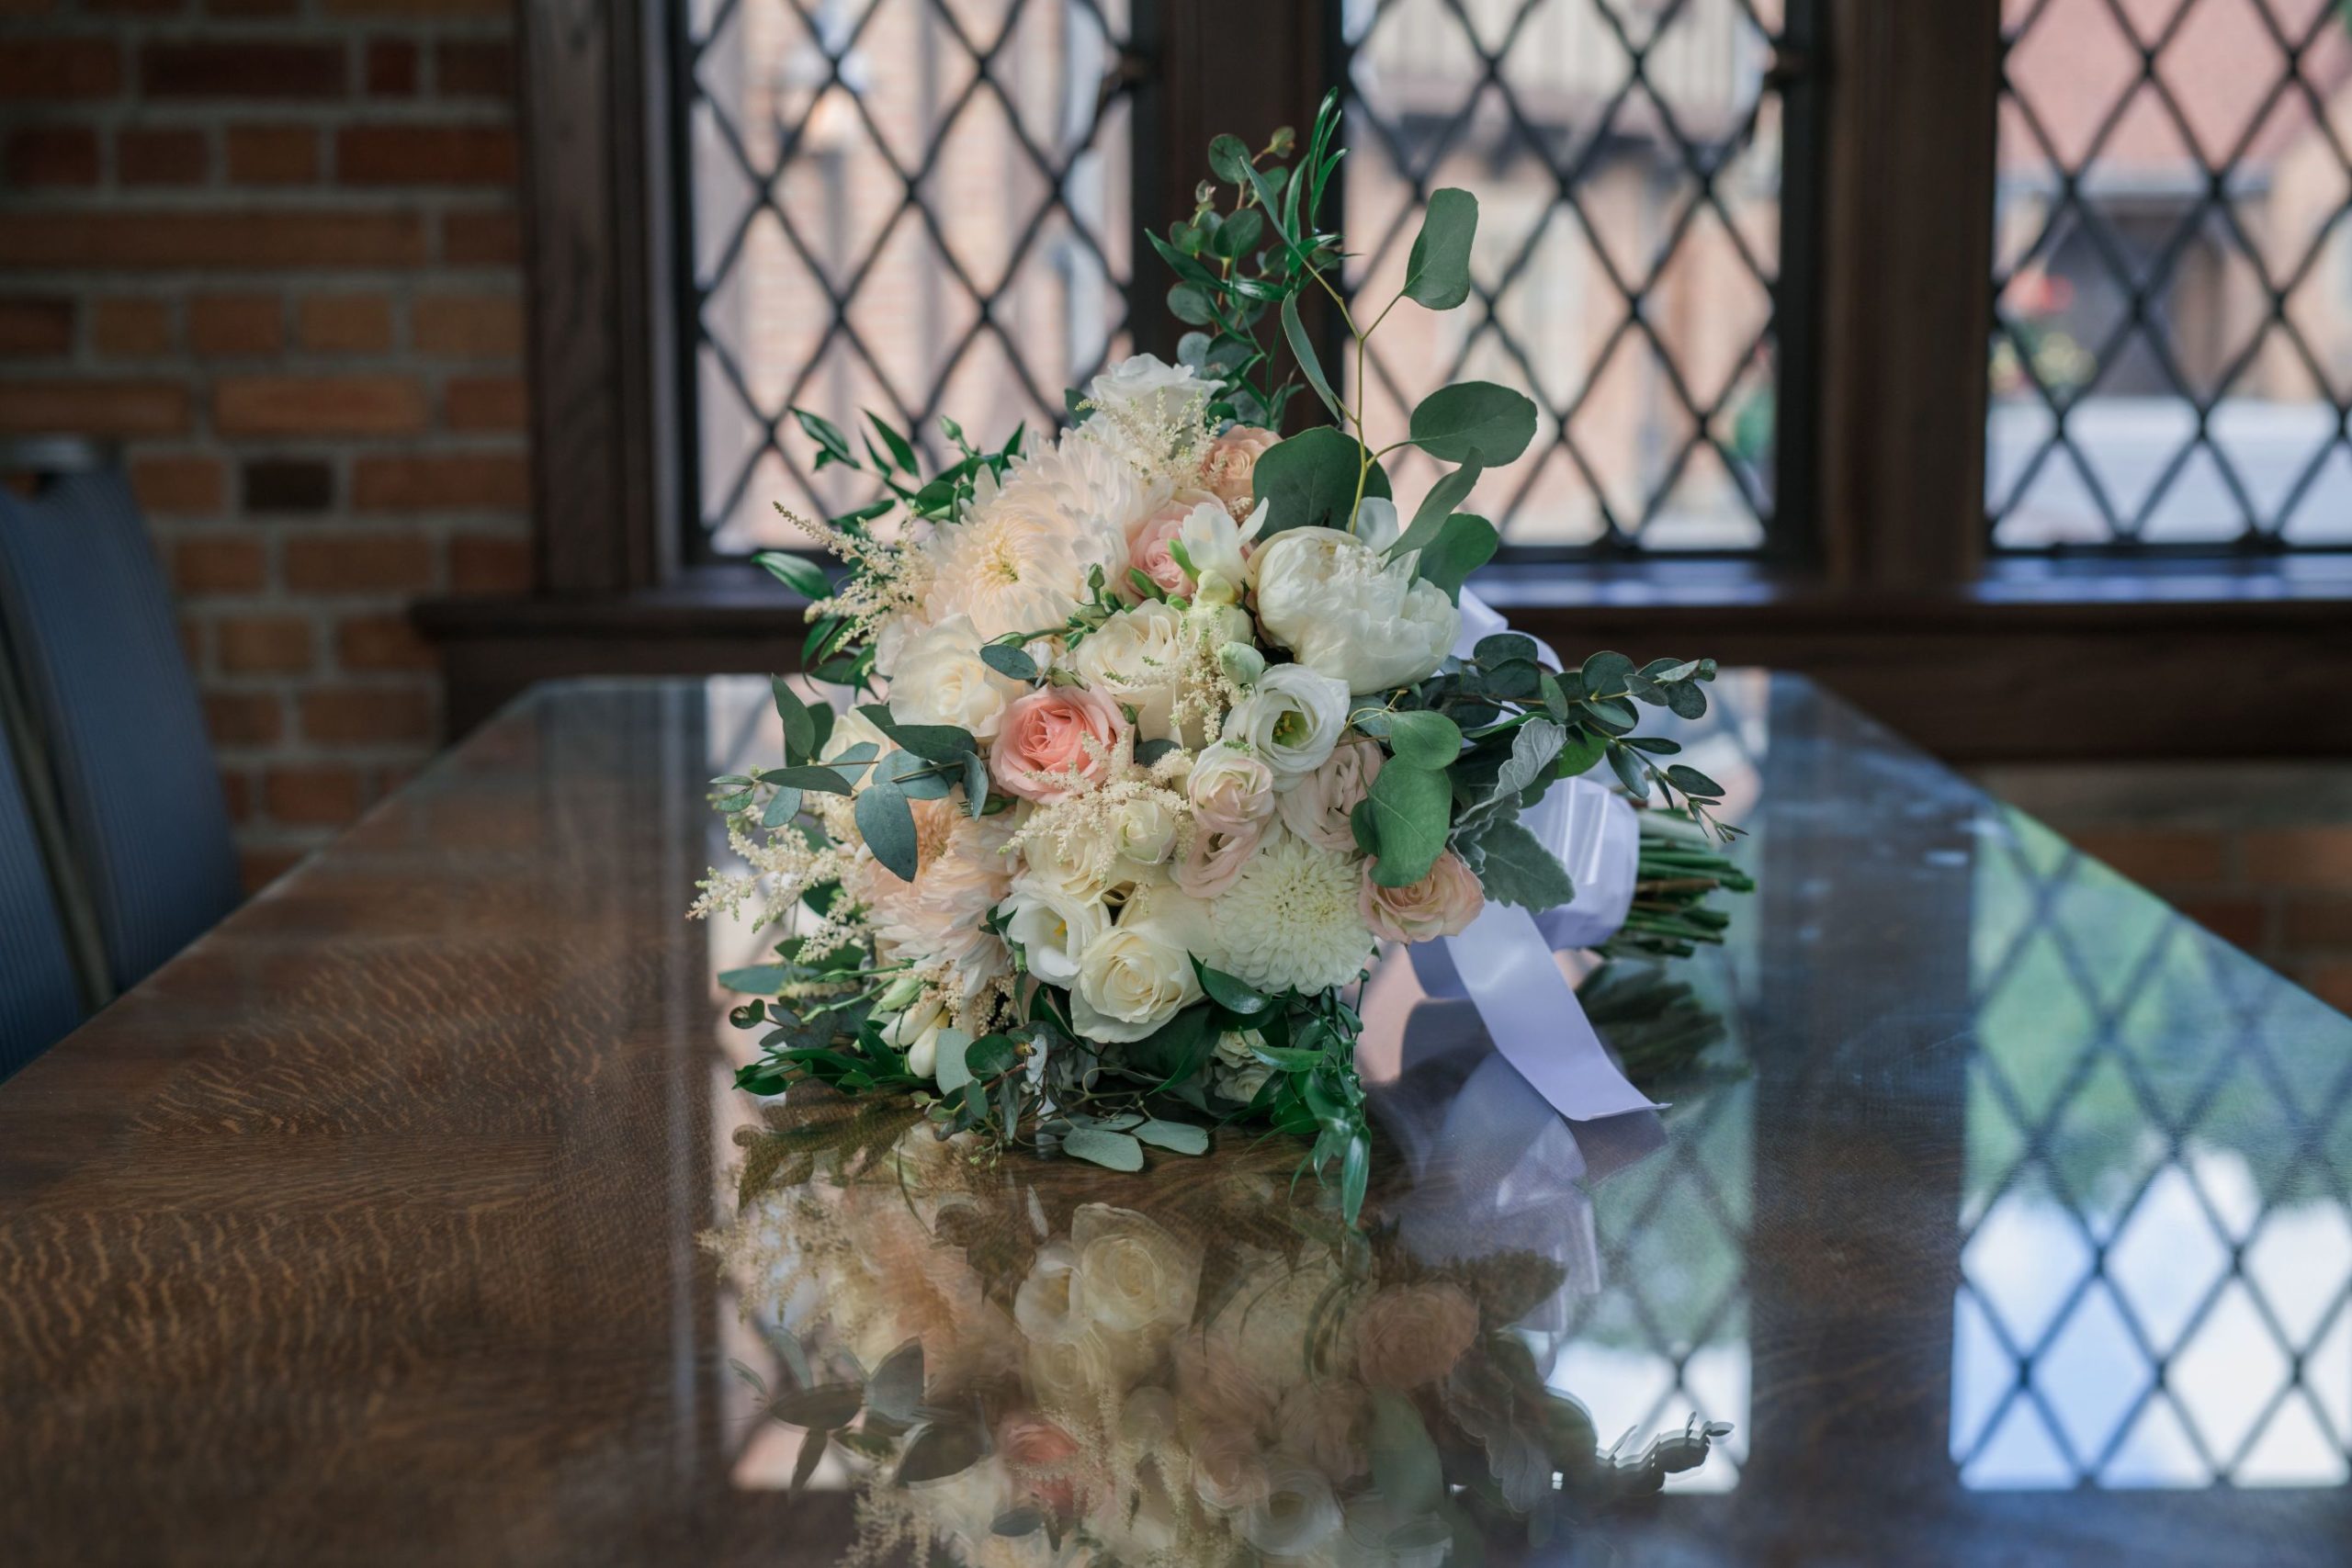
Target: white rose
1134,659
1231,789
1053,923
1130,981
1243,1086
1133,1274
940,678
1292,718
1328,598
1146,389
1145,829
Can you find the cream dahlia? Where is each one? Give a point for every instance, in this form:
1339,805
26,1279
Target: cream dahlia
1289,922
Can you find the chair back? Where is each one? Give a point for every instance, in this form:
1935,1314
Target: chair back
40,998
91,632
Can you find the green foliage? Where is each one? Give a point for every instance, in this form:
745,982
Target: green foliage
1312,480
1437,273
1473,419
1411,812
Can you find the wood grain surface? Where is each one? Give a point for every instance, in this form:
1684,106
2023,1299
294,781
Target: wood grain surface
364,1230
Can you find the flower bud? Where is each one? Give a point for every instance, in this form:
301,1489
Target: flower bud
1242,664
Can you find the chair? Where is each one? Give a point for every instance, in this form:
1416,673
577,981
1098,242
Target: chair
41,997
90,629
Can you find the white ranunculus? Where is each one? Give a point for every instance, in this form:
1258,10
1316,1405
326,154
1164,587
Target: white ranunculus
1292,718
1053,923
1131,980
1134,659
1330,598
1146,389
940,678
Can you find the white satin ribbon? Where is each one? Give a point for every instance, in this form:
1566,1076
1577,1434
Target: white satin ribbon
1504,960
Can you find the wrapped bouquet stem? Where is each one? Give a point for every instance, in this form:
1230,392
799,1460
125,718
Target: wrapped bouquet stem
1155,731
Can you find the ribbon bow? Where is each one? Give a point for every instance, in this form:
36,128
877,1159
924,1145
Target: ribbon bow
1503,961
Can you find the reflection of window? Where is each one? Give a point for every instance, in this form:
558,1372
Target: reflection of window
914,209
2173,352
1627,165
2157,1280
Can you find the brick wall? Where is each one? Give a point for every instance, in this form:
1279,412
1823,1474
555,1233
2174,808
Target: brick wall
2260,854
272,246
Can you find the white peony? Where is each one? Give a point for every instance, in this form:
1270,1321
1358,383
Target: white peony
1135,659
1290,921
1292,718
940,678
1330,598
1131,980
1020,557
1052,924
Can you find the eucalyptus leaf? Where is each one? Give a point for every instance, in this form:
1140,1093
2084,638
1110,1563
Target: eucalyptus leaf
886,823
800,724
1190,303
1473,416
941,1448
821,1409
822,780
1177,1137
783,807
1627,765
812,1454
1310,480
895,1391
1423,739
1302,348
759,980
1230,159
1437,273
1606,672
1404,1461
952,1067
1462,544
1450,492
1690,781
1006,659
1118,1151
1411,810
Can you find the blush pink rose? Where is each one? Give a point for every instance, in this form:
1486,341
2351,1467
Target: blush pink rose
1413,1336
1216,858
1229,472
1044,1457
1232,791
1317,808
1443,903
1056,743
1148,543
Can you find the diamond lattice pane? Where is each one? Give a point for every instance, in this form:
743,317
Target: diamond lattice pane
911,206
2172,342
1626,160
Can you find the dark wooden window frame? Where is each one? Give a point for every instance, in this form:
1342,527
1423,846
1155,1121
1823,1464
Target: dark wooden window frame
1896,604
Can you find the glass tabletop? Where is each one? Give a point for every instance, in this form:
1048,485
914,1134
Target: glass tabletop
1999,1214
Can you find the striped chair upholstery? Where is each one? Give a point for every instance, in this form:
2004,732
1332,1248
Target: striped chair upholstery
90,627
40,1000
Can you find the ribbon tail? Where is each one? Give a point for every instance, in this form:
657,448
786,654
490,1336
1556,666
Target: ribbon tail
1532,1015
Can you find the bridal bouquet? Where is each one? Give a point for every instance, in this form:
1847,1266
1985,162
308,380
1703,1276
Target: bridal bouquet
1153,733
1067,1367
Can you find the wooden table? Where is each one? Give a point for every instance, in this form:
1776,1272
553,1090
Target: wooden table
367,1230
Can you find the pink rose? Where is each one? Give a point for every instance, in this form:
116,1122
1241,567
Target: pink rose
1229,472
1056,743
1318,810
1232,791
1216,858
1413,1334
1443,903
1044,1457
1148,550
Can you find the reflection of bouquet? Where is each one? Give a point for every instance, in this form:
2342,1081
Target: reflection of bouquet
1168,725
1031,1372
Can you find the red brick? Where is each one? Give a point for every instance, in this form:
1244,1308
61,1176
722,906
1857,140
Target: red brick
312,797
498,10
261,864
27,7
464,482
359,563
474,69
237,791
94,407
231,324
247,69
2240,920
289,484
134,7
252,7
481,564
318,405
485,402
2159,857
54,68
219,563
244,719
53,155
32,327
346,323
359,716
392,68
131,328
425,155
2300,857
2331,982
263,645
181,485
161,157
179,240
2320,920
482,239
468,326
382,642
273,154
